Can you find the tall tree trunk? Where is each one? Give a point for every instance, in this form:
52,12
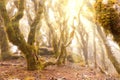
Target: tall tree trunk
5,50
62,56
109,52
94,47
33,62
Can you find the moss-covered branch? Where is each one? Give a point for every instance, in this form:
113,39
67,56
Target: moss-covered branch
108,16
12,27
3,11
16,37
20,12
31,37
6,19
48,64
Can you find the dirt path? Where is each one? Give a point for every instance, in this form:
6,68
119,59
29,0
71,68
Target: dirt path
16,70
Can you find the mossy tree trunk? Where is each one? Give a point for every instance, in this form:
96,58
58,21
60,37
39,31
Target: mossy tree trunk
62,56
16,37
5,50
108,17
84,40
112,57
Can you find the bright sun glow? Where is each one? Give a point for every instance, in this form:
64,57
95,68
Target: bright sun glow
75,11
51,15
65,25
71,7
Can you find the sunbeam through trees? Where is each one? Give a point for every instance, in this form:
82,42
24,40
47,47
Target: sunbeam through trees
63,34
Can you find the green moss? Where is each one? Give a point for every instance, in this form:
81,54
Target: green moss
33,64
33,26
3,11
16,37
108,17
20,13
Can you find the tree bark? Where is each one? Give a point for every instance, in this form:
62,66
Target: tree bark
108,18
109,52
62,56
5,50
15,36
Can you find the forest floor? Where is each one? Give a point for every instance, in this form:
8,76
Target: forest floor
16,70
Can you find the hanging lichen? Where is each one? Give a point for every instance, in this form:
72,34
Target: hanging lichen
108,16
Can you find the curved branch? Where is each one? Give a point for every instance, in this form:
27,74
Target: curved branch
48,64
12,28
31,37
20,12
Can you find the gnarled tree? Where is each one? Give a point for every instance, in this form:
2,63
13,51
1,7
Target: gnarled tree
61,36
16,37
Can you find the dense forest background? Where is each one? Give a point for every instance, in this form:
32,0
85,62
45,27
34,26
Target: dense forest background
55,32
